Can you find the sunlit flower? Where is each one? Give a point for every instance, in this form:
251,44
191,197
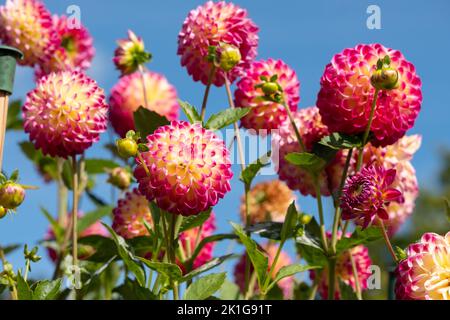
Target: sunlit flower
128,95
425,273
367,193
210,25
130,54
346,94
65,114
266,114
286,285
189,168
268,201
75,51
27,26
129,215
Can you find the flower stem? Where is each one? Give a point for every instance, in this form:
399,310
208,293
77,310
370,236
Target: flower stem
355,275
27,268
75,212
144,86
321,218
388,242
294,126
272,268
331,278
207,89
62,193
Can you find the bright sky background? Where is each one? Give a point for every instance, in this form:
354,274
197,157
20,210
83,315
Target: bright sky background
305,34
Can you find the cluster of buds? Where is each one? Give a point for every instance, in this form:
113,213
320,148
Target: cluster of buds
385,77
31,255
129,147
12,193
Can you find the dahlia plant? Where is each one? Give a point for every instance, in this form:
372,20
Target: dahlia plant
158,235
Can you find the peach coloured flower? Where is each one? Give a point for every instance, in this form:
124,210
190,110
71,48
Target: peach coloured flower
130,54
189,168
74,52
425,273
265,114
269,201
128,95
286,285
346,94
129,215
65,114
27,26
211,24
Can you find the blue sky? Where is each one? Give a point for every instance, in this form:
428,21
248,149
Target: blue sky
305,34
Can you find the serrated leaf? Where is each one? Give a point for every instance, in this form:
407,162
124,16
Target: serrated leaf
46,290
339,141
131,290
206,267
259,260
92,217
147,121
252,169
190,111
98,166
288,271
127,256
205,287
23,289
358,237
307,161
191,222
225,118
171,271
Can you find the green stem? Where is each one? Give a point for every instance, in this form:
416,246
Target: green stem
312,294
27,268
75,212
13,290
355,275
62,194
297,132
272,267
321,217
144,86
207,89
331,277
388,242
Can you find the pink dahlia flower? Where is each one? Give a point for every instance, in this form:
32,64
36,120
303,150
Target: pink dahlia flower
425,273
286,285
284,140
189,166
346,94
95,229
65,114
188,241
344,270
367,193
210,25
27,26
265,114
128,95
130,54
129,215
74,53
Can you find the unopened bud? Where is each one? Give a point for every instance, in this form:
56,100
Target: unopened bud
270,88
385,79
120,177
3,212
11,195
127,147
305,219
230,56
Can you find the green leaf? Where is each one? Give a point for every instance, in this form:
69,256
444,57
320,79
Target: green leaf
447,209
105,248
252,169
205,287
307,161
225,118
400,253
259,260
147,121
358,237
92,217
191,222
23,289
339,141
131,290
10,248
269,229
171,271
206,267
289,222
98,166
205,241
141,245
346,291
46,290
309,246
288,271
90,283
67,174
127,257
46,164
230,291
190,111
57,229
14,121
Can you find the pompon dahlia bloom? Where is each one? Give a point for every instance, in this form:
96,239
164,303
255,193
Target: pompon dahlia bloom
284,140
129,215
95,229
188,241
346,94
344,270
266,114
286,285
211,24
130,54
425,273
189,166
75,51
269,201
27,26
367,193
65,114
128,95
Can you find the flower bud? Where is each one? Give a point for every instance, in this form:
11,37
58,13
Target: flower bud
11,195
120,178
127,147
305,219
3,212
270,88
230,56
385,79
